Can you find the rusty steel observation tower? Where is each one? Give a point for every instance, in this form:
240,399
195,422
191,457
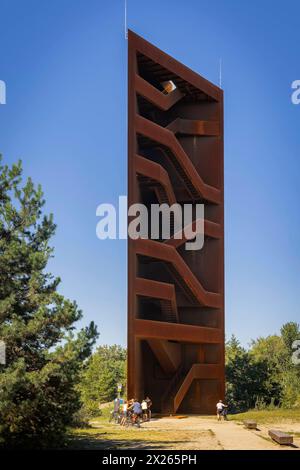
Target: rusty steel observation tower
175,296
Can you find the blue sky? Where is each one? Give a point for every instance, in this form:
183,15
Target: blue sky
64,64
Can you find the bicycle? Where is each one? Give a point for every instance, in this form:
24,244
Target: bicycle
114,416
132,419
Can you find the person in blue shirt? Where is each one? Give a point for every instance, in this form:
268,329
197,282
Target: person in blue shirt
137,411
137,408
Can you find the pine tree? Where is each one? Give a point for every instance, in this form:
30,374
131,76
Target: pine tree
44,356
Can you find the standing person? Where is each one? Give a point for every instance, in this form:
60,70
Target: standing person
220,406
124,413
149,404
115,413
145,410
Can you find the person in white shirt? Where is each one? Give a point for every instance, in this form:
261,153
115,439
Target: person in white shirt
124,413
220,406
145,410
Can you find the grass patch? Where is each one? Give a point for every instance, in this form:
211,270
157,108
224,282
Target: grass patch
270,416
293,433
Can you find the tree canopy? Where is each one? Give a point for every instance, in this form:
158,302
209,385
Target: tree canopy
105,369
264,374
44,355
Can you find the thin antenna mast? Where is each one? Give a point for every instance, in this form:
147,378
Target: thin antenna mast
125,19
220,73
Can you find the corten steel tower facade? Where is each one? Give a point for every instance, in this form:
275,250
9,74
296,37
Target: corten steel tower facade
175,296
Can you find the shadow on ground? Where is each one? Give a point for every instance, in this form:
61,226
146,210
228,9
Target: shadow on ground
96,442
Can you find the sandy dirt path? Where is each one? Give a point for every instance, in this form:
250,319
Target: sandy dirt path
229,435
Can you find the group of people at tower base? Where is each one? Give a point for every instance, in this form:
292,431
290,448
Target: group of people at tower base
131,412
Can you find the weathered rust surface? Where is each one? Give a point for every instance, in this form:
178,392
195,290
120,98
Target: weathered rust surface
175,297
177,155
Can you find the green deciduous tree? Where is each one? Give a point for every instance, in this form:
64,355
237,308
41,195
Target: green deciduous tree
44,356
290,332
246,379
265,374
103,371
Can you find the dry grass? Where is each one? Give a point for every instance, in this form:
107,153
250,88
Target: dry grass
193,433
275,416
103,435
